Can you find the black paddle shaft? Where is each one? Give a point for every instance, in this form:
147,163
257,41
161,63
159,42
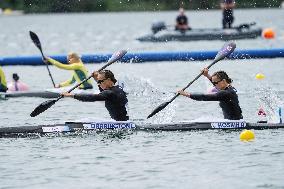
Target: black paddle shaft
226,50
37,43
192,81
61,96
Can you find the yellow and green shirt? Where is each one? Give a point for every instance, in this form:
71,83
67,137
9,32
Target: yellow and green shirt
79,73
3,83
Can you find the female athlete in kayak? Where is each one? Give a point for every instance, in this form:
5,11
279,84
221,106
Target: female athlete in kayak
113,95
79,70
226,95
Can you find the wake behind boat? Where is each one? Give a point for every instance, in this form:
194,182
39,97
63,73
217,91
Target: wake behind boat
161,33
105,126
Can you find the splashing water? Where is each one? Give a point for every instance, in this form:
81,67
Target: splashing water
141,89
269,101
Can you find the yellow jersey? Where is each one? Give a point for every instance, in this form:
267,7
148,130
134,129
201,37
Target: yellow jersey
3,83
79,73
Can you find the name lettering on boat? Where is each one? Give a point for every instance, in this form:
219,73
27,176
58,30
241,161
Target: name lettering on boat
55,129
109,125
229,125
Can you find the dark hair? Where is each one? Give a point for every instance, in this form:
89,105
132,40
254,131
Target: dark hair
223,75
16,77
108,75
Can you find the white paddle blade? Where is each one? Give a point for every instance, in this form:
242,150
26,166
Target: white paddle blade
116,56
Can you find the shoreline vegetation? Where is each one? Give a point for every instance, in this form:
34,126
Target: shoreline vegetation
49,6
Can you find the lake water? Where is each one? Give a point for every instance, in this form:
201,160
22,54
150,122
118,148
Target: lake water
199,159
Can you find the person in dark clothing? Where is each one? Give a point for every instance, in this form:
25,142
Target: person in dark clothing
227,95
181,21
227,7
114,96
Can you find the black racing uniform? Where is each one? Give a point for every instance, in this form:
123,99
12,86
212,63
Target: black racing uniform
115,101
228,102
181,20
228,17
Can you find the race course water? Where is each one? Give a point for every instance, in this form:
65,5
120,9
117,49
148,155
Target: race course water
196,159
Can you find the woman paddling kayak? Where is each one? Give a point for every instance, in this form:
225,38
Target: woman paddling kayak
227,95
113,95
79,70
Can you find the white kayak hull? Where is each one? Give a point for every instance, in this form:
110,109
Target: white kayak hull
71,127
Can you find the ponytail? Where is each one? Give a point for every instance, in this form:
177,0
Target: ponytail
223,75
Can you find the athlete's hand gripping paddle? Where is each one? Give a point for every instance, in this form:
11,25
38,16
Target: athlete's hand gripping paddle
226,50
37,43
47,104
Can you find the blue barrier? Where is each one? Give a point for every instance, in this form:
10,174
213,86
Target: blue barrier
150,57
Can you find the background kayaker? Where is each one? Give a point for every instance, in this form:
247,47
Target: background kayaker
182,21
227,95
227,7
113,95
16,84
3,83
80,72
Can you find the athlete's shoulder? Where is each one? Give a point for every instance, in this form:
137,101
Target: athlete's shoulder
232,89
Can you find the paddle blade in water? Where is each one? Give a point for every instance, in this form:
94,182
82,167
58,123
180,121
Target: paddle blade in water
225,51
42,107
159,108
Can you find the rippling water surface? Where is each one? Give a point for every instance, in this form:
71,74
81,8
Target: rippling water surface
199,159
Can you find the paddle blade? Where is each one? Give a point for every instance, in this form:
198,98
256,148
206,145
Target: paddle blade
35,39
225,51
42,107
159,108
116,56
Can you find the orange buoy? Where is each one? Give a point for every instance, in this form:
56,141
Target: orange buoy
268,33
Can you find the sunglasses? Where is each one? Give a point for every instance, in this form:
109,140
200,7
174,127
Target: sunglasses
101,81
216,82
